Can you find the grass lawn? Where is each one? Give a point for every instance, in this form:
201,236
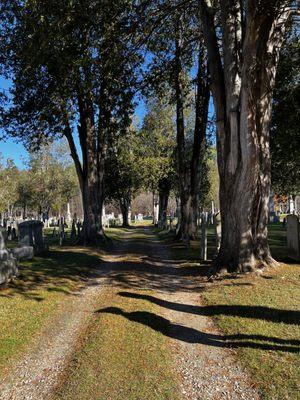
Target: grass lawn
261,316
38,294
121,359
264,315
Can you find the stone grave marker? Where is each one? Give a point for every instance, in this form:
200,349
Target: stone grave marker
217,228
203,242
8,263
31,236
293,237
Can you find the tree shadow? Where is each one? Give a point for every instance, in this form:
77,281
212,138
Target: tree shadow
60,271
191,335
290,317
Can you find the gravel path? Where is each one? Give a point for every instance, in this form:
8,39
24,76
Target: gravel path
38,373
207,369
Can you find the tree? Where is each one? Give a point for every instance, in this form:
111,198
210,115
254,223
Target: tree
242,78
25,192
122,177
73,75
284,132
175,43
8,186
156,151
52,180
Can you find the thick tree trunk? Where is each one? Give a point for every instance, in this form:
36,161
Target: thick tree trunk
124,206
183,169
189,171
242,87
164,193
90,174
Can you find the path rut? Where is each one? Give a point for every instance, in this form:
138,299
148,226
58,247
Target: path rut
206,368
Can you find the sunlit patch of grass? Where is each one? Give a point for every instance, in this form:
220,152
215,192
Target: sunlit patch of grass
21,318
275,369
266,347
121,359
43,286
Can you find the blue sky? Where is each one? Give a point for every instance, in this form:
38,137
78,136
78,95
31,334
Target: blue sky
13,148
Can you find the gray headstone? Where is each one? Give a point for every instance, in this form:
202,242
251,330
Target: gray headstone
218,230
8,263
31,234
293,237
23,252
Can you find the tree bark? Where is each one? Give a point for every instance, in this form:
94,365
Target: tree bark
181,151
190,172
164,187
242,86
124,206
90,172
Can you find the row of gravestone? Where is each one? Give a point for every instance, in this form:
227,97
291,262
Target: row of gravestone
292,235
31,242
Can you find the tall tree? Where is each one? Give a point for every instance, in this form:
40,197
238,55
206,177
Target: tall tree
122,178
175,43
73,74
242,72
156,150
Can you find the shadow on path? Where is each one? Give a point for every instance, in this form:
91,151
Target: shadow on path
256,312
191,335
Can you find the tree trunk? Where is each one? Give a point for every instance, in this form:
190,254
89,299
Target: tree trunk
190,171
164,187
124,206
90,173
183,172
242,87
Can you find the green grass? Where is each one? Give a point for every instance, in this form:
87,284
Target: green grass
37,295
268,347
121,359
259,314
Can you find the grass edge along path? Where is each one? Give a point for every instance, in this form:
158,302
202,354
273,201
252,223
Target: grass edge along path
272,358
121,359
275,369
38,297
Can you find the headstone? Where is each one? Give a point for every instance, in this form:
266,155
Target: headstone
8,263
69,217
23,252
61,231
293,237
203,249
31,234
9,232
140,217
156,213
78,224
291,205
73,230
217,228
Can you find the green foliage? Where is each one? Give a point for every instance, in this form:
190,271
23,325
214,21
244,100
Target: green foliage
68,61
122,175
156,145
53,182
209,185
9,175
48,182
285,138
